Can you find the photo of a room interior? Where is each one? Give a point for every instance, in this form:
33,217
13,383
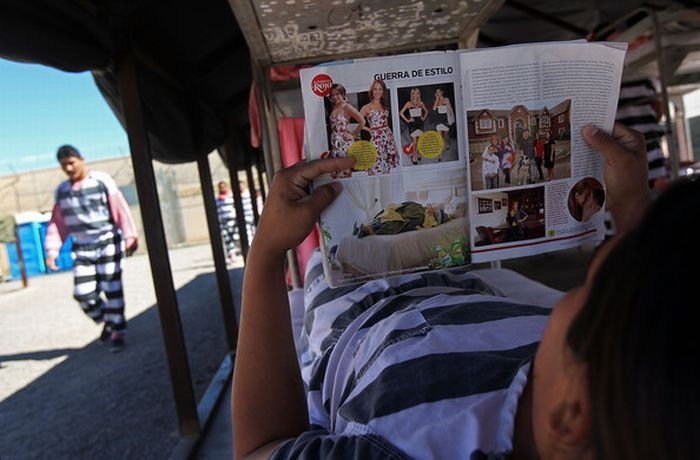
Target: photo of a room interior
509,216
402,236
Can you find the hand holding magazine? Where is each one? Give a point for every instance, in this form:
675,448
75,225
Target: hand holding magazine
461,156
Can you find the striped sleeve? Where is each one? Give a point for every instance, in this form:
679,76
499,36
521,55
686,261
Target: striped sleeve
107,181
122,215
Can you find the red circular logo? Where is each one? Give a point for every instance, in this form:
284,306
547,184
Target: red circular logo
321,85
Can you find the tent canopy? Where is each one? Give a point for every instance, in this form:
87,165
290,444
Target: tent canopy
193,66
193,58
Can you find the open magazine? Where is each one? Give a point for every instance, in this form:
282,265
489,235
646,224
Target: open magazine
461,156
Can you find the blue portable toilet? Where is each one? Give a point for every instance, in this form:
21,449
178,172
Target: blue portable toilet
32,244
31,231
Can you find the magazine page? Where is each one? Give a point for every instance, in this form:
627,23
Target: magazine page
403,206
534,183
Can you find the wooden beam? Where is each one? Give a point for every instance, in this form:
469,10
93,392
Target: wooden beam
554,20
20,258
170,322
223,282
664,80
230,156
259,167
477,22
252,190
250,27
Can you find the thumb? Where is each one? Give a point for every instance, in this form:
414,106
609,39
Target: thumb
323,196
603,142
599,139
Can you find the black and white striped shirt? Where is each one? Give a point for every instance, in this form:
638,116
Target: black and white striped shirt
418,366
637,109
86,209
226,209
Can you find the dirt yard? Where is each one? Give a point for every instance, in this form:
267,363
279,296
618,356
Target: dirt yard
63,395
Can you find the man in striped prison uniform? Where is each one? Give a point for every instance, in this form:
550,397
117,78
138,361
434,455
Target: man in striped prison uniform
226,212
415,360
90,208
638,108
227,219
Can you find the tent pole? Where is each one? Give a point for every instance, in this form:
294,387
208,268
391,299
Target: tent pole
271,145
170,322
663,79
223,282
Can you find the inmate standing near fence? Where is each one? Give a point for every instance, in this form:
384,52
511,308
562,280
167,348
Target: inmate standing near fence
90,208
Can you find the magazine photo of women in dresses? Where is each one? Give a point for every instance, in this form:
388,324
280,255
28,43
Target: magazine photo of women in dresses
523,138
428,130
344,125
413,113
508,216
442,120
377,113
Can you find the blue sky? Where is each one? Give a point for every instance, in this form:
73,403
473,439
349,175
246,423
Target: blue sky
42,108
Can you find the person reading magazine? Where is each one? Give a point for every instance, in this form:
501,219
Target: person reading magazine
439,365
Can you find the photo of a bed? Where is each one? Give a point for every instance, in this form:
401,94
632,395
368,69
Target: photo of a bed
411,235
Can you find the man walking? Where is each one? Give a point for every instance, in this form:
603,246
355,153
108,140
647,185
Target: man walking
90,208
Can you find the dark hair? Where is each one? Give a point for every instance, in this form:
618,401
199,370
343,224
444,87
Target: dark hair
599,196
637,334
340,88
587,184
384,100
67,151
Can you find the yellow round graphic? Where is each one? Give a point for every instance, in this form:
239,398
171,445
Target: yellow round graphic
364,153
430,144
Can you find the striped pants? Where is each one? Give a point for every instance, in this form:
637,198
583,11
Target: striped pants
229,233
98,270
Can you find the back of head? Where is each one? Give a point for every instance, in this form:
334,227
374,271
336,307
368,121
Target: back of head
637,335
67,151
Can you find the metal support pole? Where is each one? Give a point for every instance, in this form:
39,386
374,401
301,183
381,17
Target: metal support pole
237,198
20,259
170,322
271,146
252,190
268,120
223,281
259,167
663,79
554,20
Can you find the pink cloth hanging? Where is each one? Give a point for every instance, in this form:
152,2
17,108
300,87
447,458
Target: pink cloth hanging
291,138
254,118
278,73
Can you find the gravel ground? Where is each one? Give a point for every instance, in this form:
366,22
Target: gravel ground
63,395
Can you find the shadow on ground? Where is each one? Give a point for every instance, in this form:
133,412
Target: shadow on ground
96,404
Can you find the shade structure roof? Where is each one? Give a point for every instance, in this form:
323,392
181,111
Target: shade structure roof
194,58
